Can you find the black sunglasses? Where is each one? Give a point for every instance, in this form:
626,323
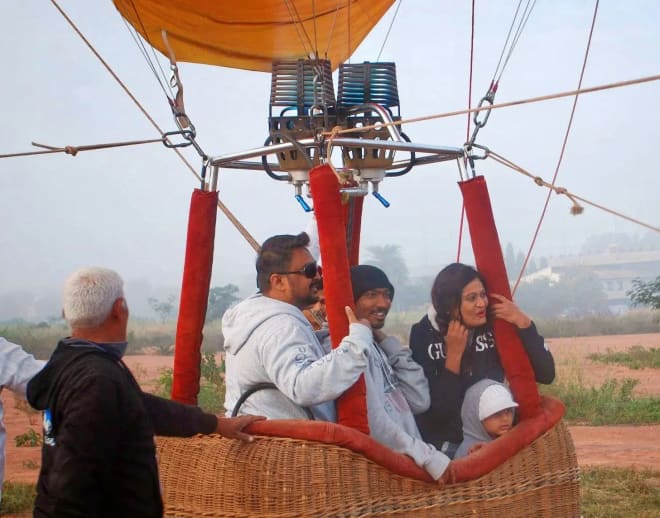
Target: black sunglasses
309,270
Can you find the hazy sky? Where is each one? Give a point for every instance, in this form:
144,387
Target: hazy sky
127,208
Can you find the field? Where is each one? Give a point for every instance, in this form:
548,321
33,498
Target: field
620,446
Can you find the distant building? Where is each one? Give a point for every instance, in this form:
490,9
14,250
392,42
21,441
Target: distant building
615,270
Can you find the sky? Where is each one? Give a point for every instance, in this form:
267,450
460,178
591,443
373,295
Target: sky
127,208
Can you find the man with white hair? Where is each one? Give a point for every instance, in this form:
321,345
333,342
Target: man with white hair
98,456
16,368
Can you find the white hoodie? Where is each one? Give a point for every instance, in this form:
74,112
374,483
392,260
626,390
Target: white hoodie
270,341
16,368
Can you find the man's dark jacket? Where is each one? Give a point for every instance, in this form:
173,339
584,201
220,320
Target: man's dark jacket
98,456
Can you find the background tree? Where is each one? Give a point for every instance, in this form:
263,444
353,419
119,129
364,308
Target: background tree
220,299
389,259
645,293
575,294
164,308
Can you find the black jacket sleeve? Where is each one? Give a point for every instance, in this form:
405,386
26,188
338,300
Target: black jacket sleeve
539,356
174,419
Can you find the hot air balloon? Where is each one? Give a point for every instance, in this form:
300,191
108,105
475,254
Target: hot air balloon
322,468
299,468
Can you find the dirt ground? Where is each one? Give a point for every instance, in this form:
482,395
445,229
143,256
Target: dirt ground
620,446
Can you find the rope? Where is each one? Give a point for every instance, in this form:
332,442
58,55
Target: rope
467,134
331,138
576,207
73,150
225,210
561,155
389,29
529,100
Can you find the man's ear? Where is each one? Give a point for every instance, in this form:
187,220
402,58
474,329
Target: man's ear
119,308
276,282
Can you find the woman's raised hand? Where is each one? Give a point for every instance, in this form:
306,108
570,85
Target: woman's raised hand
507,310
455,342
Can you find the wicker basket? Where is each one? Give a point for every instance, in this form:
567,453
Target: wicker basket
280,477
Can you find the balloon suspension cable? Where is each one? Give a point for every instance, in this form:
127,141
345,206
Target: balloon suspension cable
512,42
225,210
576,208
332,29
467,130
389,30
561,153
160,78
305,41
487,101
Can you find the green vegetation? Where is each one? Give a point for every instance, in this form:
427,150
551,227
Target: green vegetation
211,396
165,309
220,299
29,439
635,358
645,293
620,493
17,497
38,339
611,403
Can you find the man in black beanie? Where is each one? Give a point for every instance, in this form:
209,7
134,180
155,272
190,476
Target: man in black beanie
396,385
373,293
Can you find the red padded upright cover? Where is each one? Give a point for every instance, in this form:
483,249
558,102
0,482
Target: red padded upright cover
331,220
490,263
194,296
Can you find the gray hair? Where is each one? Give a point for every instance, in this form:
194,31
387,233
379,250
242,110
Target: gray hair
89,294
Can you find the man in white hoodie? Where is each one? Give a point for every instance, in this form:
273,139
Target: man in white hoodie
270,345
16,368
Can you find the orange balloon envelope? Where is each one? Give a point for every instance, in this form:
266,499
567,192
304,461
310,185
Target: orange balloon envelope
251,34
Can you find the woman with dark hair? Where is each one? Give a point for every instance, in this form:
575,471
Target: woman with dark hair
455,345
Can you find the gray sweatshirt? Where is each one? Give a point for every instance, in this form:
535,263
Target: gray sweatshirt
396,390
269,341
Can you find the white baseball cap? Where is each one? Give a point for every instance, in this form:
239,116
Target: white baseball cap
493,399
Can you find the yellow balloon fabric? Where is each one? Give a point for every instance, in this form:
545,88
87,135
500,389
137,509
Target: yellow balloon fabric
251,34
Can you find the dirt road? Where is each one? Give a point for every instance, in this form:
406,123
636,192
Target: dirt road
621,446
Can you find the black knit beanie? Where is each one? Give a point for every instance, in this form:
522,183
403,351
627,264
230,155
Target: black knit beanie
365,277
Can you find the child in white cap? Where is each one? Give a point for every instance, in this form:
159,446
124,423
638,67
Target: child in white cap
487,413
